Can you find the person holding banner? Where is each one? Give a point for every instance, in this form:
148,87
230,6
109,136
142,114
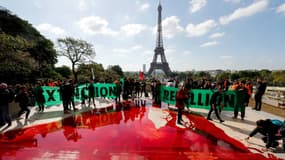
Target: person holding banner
213,102
91,93
182,97
40,98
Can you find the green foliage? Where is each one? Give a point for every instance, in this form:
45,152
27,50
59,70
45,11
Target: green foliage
76,50
64,71
15,62
117,70
25,54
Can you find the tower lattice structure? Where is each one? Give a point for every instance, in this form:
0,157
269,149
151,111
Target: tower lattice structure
159,50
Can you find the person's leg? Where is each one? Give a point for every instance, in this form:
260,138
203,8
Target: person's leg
256,101
259,102
235,111
217,114
179,116
209,113
21,111
282,132
242,111
27,112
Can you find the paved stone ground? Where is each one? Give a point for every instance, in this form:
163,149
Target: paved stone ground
235,128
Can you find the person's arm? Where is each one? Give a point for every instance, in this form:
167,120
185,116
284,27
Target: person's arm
256,130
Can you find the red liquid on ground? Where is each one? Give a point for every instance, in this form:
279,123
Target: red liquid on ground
134,132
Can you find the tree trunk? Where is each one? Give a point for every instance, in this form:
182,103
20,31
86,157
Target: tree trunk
74,73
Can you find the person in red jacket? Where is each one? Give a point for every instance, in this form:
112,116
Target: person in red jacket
181,99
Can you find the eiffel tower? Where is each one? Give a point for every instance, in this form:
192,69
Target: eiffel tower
159,50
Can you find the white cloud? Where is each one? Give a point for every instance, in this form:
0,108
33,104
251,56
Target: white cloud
48,28
281,9
208,44
226,57
254,8
95,25
200,29
170,27
144,7
217,35
196,5
132,29
233,1
127,50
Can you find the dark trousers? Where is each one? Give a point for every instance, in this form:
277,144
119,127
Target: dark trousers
242,110
258,101
91,98
41,106
282,131
23,109
65,103
179,115
213,107
5,116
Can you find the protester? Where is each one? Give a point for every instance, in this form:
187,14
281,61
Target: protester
182,97
5,98
40,99
272,130
23,99
242,101
260,90
216,97
91,93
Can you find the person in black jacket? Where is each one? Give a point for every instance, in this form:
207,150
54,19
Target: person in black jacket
5,98
216,97
91,93
260,90
40,99
23,99
269,129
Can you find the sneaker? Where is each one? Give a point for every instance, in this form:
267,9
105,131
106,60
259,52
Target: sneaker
221,121
179,123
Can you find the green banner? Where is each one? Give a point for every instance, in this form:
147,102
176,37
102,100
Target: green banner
199,98
53,97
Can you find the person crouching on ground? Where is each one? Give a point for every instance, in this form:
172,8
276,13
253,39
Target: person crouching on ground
213,102
272,130
182,97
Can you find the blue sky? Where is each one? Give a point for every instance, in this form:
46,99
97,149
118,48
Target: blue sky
197,34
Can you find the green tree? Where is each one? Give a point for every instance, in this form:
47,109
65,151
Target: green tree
16,64
64,71
76,50
223,75
117,69
25,54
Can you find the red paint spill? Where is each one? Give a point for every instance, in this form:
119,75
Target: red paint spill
123,133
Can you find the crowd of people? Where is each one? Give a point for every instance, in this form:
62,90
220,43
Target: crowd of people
132,88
